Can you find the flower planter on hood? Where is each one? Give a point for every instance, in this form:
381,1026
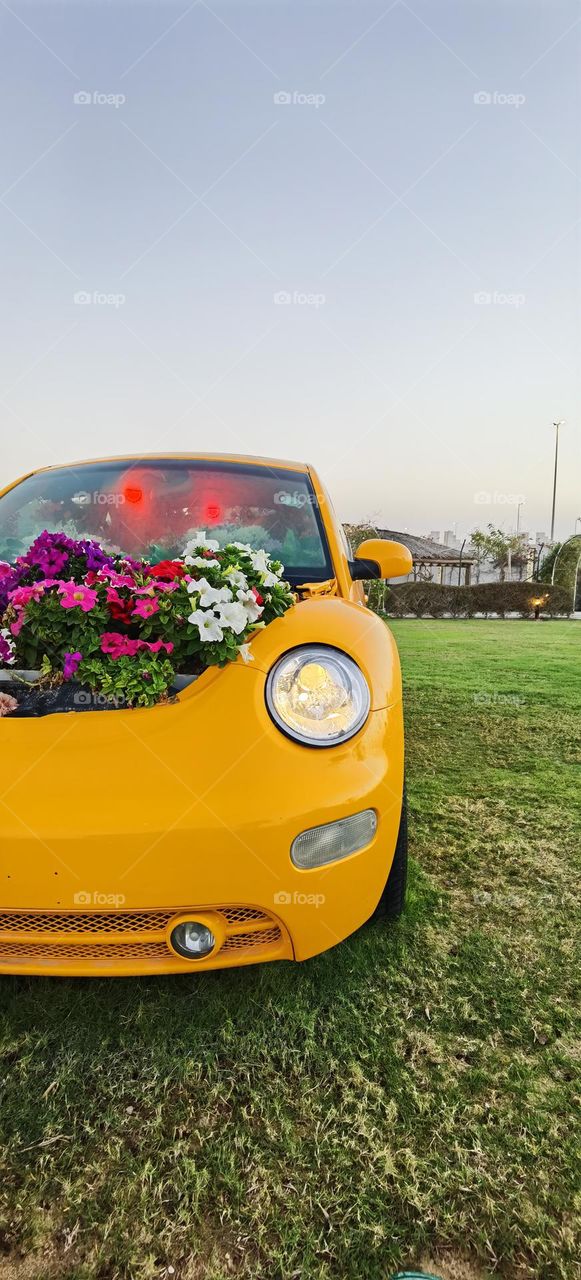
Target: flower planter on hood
107,631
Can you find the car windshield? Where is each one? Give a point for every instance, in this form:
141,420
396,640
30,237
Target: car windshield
150,509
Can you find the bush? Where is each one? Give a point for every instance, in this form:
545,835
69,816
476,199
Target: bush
429,599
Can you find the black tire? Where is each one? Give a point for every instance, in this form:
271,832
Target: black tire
392,901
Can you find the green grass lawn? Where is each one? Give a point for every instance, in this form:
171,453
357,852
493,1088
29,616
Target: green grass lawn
409,1095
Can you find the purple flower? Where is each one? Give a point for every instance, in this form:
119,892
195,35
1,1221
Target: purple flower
70,664
48,555
9,583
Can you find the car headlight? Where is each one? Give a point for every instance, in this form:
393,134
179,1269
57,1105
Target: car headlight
317,695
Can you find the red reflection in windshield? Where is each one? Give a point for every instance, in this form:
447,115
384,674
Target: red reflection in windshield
132,494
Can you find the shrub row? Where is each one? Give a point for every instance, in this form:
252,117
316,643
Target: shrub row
430,599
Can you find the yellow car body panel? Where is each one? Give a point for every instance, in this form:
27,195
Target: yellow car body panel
116,824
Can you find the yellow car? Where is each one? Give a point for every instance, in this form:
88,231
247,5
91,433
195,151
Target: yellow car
259,816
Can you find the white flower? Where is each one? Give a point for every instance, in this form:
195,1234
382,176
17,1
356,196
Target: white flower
243,546
235,577
260,561
207,624
7,636
209,595
233,616
201,563
245,653
269,579
198,542
248,601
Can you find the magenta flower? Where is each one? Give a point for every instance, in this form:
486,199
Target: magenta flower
70,664
77,597
157,645
118,646
145,608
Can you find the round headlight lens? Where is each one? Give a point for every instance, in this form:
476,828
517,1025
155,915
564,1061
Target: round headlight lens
318,695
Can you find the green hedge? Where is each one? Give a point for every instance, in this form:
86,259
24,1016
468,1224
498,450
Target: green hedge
430,599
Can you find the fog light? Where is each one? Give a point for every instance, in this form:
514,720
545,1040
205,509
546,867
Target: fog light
334,840
192,939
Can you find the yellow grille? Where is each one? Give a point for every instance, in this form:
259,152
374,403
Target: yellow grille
241,915
247,941
95,941
84,922
83,951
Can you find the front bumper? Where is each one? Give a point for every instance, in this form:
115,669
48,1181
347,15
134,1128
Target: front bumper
129,818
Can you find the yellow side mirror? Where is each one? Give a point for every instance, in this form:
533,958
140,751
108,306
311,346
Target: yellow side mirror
381,558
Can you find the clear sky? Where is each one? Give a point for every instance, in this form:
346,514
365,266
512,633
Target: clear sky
379,275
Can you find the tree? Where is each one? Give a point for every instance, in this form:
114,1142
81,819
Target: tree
502,549
479,547
546,569
562,565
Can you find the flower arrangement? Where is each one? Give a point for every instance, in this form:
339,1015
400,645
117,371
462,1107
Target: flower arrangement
123,627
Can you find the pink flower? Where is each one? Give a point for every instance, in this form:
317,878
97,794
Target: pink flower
113,597
144,608
5,569
159,644
116,579
77,597
23,595
118,646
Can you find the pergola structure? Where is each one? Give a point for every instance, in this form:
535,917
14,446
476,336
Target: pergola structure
435,557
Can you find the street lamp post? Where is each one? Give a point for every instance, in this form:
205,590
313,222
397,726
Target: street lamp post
518,507
556,426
